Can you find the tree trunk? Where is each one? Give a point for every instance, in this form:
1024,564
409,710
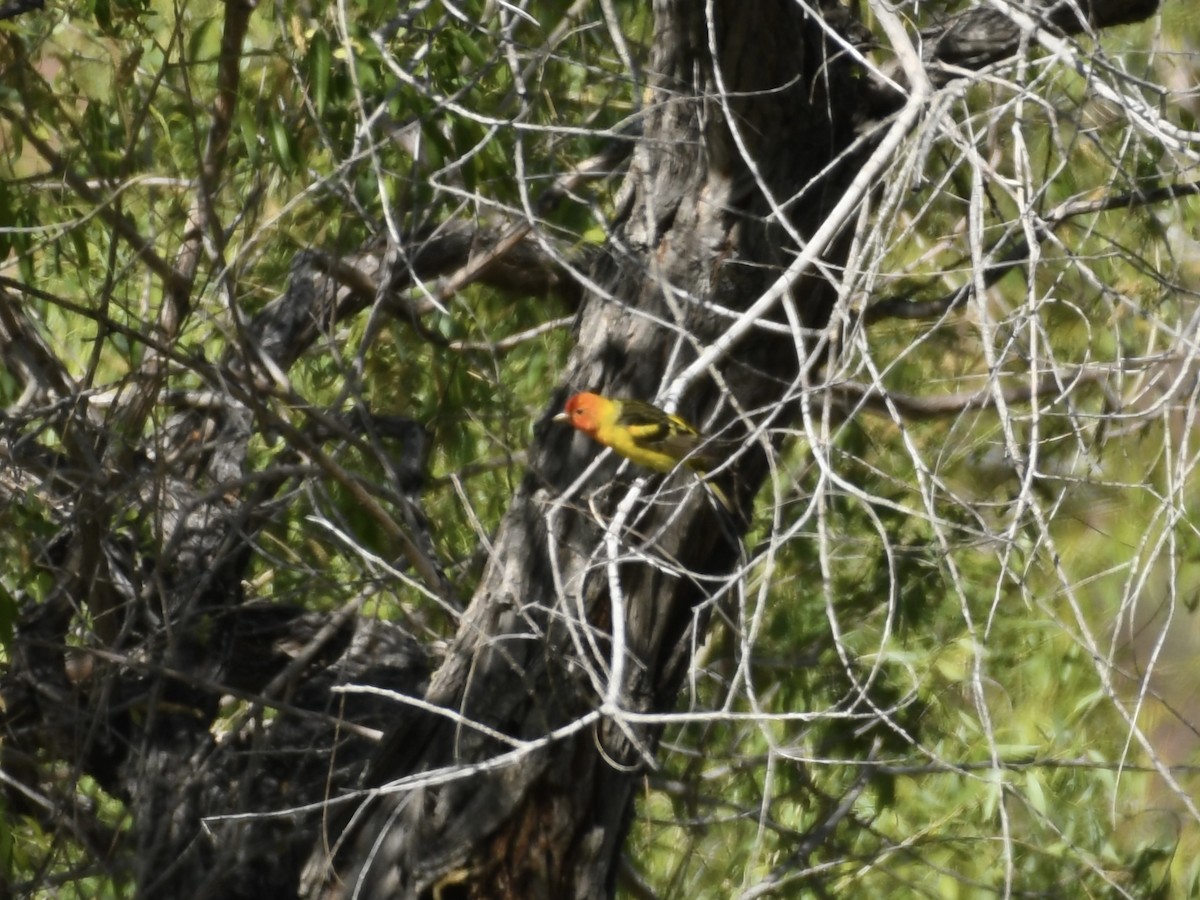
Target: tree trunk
542,811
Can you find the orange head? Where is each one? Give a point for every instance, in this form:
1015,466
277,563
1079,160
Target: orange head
583,411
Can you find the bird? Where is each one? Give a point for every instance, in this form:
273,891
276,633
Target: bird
643,434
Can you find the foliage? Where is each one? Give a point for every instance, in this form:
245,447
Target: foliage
1010,596
953,665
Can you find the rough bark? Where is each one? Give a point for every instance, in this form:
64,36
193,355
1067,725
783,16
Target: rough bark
551,822
136,709
174,632
983,35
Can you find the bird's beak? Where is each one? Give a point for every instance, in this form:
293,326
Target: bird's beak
561,417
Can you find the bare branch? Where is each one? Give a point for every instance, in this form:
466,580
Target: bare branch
1016,253
877,399
983,34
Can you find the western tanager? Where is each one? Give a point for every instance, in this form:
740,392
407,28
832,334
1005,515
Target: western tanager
642,433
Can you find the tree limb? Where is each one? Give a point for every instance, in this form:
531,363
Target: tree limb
1016,253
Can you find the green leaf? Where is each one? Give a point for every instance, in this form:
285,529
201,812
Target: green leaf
283,145
202,40
7,216
23,241
82,255
320,70
8,615
469,48
248,126
103,13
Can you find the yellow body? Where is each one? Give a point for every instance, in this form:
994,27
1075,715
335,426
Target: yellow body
641,433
